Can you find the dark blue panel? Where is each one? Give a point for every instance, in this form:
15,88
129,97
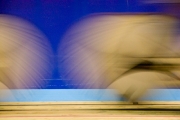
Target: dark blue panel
55,17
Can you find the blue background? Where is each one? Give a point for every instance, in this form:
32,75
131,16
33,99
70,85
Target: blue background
55,17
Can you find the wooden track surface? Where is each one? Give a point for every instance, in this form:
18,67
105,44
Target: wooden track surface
89,111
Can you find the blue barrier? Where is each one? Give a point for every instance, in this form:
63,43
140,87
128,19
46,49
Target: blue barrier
55,95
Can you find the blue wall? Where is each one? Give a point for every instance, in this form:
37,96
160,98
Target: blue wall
55,17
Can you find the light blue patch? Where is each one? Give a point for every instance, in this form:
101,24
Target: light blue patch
47,95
